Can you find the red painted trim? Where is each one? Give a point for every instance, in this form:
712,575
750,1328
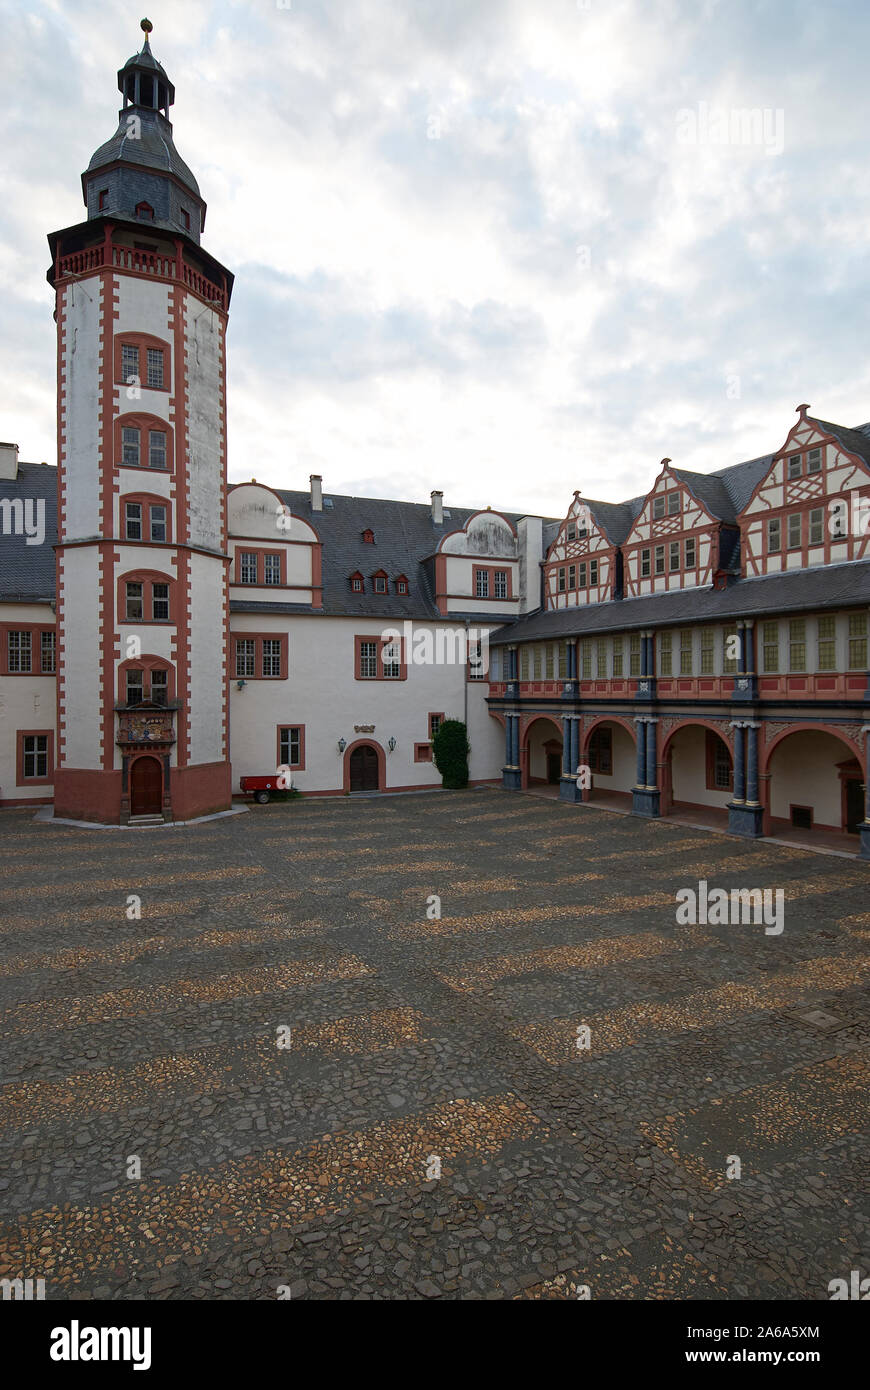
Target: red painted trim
261,552
142,341
36,630
143,423
258,638
147,662
382,762
767,749
146,500
20,736
727,738
422,753
380,642
147,578
297,767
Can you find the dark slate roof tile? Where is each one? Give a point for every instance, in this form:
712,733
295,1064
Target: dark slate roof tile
828,586
27,571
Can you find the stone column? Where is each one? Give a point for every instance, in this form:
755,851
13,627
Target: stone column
745,812
752,765
864,829
651,777
640,726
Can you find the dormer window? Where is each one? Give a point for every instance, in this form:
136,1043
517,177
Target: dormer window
104,199
368,537
185,217
145,212
357,583
380,583
401,585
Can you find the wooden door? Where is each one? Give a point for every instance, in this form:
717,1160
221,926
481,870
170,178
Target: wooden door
364,769
146,787
554,768
854,804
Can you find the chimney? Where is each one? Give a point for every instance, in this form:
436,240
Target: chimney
438,508
316,481
8,461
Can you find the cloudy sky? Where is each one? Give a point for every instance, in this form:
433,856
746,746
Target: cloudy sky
507,248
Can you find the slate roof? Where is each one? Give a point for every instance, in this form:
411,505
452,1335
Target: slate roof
741,479
856,441
825,586
406,539
154,149
27,571
711,492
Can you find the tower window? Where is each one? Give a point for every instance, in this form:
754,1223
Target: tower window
130,363
146,90
481,584
158,523
130,439
185,217
160,603
133,521
134,606
145,212
49,652
155,367
159,685
104,199
156,449
135,687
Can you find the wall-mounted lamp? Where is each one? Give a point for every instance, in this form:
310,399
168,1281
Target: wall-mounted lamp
342,744
240,685
391,744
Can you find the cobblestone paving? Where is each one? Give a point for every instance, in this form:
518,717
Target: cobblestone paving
415,1043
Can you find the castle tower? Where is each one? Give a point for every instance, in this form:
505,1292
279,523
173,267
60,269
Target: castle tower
142,605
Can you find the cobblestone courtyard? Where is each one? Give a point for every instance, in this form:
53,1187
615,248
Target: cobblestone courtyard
413,1039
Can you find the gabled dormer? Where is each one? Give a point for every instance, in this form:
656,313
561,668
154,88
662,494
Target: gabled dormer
581,565
380,582
683,534
812,506
357,582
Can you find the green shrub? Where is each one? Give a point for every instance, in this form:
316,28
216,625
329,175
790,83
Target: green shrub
450,751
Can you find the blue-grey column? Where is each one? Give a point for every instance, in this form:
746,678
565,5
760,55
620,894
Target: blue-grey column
752,764
515,741
651,777
508,739
574,741
739,764
566,745
640,725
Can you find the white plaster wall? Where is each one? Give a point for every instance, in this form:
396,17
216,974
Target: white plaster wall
322,694
143,307
204,348
26,702
208,691
80,404
79,666
804,773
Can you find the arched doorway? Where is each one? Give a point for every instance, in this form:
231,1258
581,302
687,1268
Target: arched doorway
146,787
541,755
363,768
610,752
697,775
816,783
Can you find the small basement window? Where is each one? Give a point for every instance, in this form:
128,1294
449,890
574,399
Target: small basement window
802,817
